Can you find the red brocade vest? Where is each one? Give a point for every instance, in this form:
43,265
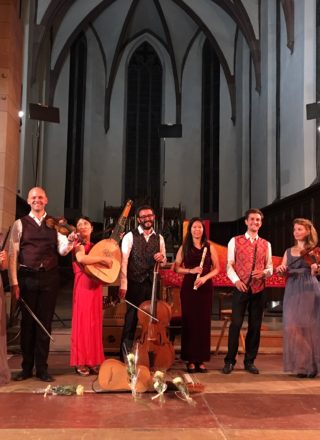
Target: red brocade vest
244,254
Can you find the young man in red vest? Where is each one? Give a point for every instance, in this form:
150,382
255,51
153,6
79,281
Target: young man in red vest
249,263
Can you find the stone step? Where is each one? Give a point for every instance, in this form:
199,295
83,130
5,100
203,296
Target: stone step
271,339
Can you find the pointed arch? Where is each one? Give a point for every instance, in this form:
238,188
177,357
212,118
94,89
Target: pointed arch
143,118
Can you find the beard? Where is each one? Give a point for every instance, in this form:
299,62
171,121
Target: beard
146,225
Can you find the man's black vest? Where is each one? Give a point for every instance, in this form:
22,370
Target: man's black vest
38,245
141,261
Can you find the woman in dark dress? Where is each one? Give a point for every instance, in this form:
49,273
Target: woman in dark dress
301,305
199,267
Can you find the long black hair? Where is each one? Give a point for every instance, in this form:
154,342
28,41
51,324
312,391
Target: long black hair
188,242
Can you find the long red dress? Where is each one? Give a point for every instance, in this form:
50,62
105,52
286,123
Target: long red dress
196,307
86,334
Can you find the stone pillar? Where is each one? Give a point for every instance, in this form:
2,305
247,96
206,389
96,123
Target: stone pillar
10,95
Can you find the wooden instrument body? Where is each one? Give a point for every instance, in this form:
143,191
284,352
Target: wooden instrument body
113,376
154,348
108,248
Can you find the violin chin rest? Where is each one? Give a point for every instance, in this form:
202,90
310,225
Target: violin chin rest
113,376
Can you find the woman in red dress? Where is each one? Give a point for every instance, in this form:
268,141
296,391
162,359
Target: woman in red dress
86,336
198,261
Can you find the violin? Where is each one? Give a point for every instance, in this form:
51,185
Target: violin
60,225
311,256
154,348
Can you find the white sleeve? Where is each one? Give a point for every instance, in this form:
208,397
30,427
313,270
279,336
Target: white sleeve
232,275
126,246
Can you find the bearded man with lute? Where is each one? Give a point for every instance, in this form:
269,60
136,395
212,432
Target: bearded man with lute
141,249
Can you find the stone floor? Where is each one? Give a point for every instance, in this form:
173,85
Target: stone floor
238,406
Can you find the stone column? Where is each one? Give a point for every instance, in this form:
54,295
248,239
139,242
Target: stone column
10,95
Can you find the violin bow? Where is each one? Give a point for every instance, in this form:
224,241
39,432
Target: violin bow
25,305
141,310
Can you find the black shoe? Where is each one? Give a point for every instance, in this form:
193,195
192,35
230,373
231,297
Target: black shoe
201,368
45,377
22,375
251,368
227,368
312,375
191,369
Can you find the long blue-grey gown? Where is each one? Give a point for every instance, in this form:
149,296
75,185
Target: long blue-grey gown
301,318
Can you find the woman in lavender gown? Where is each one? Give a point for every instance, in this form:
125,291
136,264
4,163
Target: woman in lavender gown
301,306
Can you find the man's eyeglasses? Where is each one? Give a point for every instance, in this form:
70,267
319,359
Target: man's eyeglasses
143,217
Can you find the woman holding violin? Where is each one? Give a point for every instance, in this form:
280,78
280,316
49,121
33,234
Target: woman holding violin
197,259
86,335
301,306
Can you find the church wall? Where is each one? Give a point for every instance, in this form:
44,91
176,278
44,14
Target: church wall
298,88
263,122
234,140
242,125
309,85
32,92
268,60
105,152
184,172
102,151
230,173
55,153
239,187
297,135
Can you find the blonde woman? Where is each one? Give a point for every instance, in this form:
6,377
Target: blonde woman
301,306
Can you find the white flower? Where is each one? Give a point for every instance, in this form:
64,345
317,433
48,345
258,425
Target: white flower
183,389
47,391
131,357
178,380
79,390
158,375
159,385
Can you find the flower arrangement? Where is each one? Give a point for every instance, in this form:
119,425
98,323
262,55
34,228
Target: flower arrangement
132,373
131,364
160,386
64,390
183,390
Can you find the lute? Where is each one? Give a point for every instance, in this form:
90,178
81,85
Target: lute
109,247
